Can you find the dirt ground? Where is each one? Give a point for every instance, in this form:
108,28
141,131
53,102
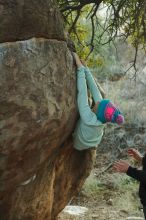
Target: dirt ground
106,205
109,196
103,212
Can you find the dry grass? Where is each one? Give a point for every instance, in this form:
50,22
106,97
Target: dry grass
130,97
112,197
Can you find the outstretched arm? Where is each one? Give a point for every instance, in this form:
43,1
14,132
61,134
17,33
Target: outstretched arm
84,109
139,175
95,88
122,166
101,90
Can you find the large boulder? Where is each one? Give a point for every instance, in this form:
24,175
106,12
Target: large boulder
40,171
23,19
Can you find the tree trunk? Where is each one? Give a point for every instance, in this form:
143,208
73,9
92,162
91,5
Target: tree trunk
40,171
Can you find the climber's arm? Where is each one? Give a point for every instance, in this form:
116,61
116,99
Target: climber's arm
95,88
101,90
86,114
84,109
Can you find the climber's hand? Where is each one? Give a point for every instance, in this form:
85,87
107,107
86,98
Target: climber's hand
77,60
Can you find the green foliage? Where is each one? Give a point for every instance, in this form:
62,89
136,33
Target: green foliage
121,17
93,186
116,188
103,60
81,36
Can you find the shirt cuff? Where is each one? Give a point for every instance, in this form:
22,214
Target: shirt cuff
81,68
129,171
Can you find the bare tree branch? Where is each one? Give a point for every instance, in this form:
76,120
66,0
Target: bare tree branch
124,18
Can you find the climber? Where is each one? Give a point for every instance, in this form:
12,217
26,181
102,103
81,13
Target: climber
89,129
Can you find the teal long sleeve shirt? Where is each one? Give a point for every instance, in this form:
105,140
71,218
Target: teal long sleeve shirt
89,130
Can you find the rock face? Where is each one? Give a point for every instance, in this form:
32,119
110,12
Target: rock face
23,19
40,171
